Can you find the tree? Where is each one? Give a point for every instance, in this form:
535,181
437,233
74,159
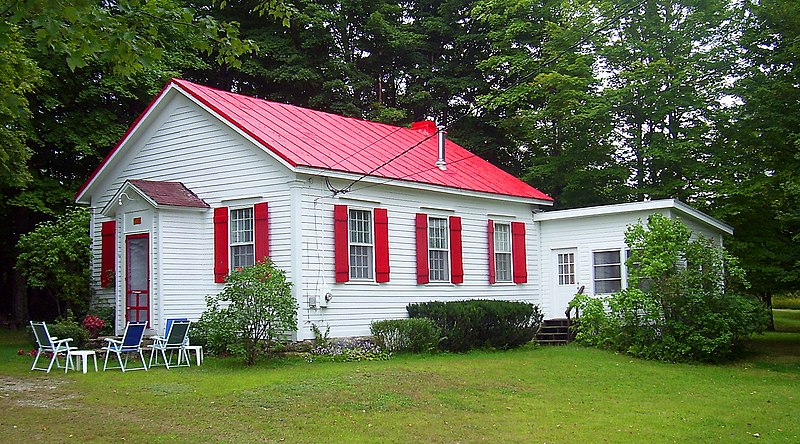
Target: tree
547,98
254,310
755,155
666,63
55,257
682,303
73,76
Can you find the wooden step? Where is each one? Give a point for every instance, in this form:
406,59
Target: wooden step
554,332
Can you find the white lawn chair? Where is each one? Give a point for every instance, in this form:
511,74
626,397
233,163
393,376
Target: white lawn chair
49,344
175,339
131,343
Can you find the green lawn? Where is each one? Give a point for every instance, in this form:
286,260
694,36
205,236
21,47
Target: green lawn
565,394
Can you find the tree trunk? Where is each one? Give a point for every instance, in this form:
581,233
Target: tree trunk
19,298
767,300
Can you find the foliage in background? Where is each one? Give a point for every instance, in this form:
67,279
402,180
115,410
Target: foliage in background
691,308
252,313
56,256
413,335
466,325
69,327
789,301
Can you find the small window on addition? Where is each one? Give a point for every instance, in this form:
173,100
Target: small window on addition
607,272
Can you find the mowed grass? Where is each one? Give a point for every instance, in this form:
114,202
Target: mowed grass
560,395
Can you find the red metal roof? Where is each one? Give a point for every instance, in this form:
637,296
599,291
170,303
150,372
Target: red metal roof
321,140
304,137
169,193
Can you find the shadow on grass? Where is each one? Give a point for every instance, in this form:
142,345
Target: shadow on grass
778,350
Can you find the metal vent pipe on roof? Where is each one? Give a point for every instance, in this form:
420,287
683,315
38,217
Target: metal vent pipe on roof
441,163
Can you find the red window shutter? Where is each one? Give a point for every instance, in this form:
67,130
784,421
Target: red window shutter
381,245
108,256
220,244
341,243
261,227
456,266
518,252
492,271
423,269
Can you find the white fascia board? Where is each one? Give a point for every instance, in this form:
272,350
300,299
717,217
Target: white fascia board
127,186
660,204
119,148
237,130
703,217
378,181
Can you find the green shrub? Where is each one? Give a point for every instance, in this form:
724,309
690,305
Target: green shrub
472,324
251,314
789,301
413,335
68,327
691,309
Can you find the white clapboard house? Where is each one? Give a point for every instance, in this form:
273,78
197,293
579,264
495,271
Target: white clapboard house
364,217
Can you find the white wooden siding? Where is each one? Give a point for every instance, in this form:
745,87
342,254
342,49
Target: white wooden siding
186,144
356,304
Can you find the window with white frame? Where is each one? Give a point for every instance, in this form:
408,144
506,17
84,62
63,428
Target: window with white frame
242,242
438,250
607,272
502,252
566,268
361,244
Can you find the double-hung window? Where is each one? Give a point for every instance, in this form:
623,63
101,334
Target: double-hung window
242,240
361,245
502,252
607,272
438,250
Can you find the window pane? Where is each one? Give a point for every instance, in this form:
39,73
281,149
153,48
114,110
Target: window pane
360,227
566,268
502,238
503,267
241,223
606,257
439,266
605,287
607,272
242,256
361,262
437,233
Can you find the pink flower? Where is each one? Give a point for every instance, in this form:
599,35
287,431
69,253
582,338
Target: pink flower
92,322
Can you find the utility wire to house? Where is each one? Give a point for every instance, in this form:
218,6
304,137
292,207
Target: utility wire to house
473,107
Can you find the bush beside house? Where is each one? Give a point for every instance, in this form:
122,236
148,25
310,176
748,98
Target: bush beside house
683,301
479,323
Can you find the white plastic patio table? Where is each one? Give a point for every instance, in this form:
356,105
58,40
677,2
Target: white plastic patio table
198,351
84,355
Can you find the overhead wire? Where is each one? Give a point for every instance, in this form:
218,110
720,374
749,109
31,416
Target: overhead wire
473,106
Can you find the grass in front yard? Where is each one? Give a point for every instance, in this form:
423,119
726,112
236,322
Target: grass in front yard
561,394
787,320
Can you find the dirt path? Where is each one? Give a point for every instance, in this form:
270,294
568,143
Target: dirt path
39,393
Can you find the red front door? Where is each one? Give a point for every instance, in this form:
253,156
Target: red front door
137,277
